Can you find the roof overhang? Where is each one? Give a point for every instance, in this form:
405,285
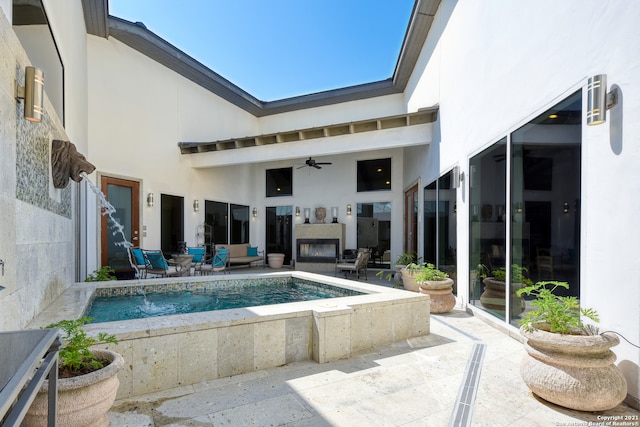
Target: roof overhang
374,134
137,36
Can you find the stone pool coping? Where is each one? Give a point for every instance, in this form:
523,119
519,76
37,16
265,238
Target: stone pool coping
176,350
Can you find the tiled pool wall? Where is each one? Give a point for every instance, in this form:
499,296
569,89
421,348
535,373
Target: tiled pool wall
172,351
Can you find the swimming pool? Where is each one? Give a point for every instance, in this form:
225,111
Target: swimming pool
111,304
166,352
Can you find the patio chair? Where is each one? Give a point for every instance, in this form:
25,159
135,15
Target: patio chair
159,266
198,256
359,267
136,255
219,262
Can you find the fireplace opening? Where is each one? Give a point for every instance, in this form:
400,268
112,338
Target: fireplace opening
317,250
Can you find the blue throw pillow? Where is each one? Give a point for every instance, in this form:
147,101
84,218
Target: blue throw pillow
252,251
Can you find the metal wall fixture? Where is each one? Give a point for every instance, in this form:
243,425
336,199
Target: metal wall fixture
150,200
348,210
32,93
196,205
457,177
297,210
255,212
334,214
598,100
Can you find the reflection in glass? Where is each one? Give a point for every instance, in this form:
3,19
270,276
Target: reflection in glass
216,215
239,224
440,237
487,187
121,199
545,193
374,229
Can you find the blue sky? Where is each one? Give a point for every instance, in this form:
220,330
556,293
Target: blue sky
276,49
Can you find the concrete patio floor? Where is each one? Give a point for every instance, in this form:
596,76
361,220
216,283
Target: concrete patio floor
465,373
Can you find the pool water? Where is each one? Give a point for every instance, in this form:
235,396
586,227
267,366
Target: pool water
153,304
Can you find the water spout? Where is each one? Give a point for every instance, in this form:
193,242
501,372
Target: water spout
67,162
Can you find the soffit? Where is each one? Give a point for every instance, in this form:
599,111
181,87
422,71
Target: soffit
137,37
336,129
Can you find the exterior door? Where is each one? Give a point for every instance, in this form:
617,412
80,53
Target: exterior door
123,224
411,219
279,231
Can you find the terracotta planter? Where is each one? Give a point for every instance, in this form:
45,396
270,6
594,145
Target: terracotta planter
409,280
84,400
275,260
493,297
574,371
441,293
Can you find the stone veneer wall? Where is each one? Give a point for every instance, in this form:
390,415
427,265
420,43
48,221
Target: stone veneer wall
36,229
319,231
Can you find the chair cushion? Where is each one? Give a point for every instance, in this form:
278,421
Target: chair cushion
157,260
138,256
220,260
252,251
197,253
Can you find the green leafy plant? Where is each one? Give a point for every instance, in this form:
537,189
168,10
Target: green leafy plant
430,272
518,274
408,258
75,356
102,274
559,314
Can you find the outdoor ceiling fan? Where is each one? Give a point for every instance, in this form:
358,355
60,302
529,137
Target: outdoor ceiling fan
313,164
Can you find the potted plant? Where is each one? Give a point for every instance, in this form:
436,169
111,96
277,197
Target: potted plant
87,383
409,273
568,363
403,260
494,295
438,285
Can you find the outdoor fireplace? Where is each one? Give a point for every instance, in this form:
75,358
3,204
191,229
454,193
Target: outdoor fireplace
317,250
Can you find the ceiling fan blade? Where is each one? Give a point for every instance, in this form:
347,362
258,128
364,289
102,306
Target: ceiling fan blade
315,165
300,167
323,163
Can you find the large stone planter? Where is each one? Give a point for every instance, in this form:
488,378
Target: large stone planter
275,260
83,401
574,371
409,280
493,297
441,293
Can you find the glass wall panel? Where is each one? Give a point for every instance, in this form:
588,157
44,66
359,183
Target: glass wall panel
487,230
374,230
447,235
216,216
545,194
440,236
279,231
239,224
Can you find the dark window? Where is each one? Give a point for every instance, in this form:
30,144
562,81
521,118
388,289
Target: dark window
279,182
374,175
239,224
216,216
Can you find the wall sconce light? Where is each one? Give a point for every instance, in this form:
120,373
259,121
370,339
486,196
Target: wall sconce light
334,214
598,100
255,212
150,200
32,93
196,205
297,210
307,214
348,210
457,177
565,207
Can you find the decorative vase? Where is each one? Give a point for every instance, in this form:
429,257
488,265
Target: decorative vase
574,371
441,293
321,213
493,297
83,400
275,260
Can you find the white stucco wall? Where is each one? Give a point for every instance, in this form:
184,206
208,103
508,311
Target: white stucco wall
494,65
